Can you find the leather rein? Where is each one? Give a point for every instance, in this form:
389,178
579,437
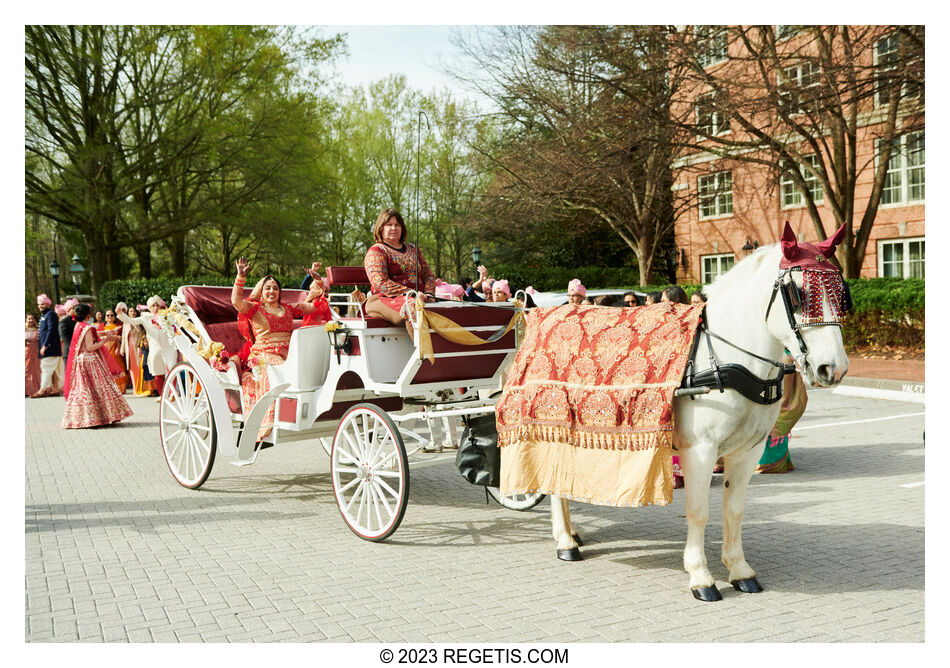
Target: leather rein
735,376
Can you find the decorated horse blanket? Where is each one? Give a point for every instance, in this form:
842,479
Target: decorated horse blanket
587,408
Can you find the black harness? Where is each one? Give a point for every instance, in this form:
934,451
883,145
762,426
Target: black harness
735,376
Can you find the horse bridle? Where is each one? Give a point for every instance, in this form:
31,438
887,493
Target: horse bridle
793,298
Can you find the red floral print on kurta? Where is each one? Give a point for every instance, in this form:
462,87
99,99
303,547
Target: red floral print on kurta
392,273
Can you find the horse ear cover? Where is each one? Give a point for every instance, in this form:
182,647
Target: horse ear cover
828,246
789,243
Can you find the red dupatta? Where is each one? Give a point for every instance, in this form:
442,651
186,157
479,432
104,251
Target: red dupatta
111,364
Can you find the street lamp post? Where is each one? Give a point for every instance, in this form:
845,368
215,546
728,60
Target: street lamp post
54,272
76,271
476,258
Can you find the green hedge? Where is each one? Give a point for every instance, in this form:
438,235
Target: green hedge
895,296
137,290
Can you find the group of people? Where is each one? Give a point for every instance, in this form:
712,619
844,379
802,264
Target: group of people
92,358
120,345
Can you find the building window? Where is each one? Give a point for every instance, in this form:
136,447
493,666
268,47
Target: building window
904,182
791,196
901,258
715,195
887,59
784,32
799,86
714,265
712,45
710,120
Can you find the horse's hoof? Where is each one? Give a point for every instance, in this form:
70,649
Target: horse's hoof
570,555
577,539
748,586
707,594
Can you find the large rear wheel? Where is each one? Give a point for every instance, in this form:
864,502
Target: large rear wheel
186,425
515,501
370,472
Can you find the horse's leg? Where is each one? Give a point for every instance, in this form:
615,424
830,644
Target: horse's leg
738,472
563,531
697,462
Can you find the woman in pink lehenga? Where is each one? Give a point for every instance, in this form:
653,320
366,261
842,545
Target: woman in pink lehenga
92,398
32,355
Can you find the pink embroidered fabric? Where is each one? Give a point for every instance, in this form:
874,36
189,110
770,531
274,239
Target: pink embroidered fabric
93,397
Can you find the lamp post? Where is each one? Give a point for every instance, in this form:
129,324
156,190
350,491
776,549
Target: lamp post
76,271
54,272
476,258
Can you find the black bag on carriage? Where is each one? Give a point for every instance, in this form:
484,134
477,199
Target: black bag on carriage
478,458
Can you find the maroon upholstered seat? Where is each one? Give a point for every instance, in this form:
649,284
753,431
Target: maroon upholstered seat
347,276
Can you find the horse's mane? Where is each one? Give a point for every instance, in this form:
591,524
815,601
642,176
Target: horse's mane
742,273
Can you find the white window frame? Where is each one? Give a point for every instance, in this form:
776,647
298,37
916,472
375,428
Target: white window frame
711,52
889,64
784,32
710,276
720,196
900,169
797,79
905,263
718,121
791,196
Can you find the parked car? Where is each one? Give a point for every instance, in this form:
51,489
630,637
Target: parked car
560,298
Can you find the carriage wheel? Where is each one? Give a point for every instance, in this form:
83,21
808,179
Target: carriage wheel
370,472
186,424
516,501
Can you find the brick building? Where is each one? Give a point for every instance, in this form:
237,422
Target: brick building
738,205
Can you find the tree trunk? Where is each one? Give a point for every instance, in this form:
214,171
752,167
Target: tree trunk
177,247
143,252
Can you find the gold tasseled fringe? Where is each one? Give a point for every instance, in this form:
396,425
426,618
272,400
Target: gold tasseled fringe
604,438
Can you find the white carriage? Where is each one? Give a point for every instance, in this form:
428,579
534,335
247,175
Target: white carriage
362,390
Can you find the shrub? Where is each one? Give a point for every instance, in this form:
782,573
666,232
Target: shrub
895,296
137,290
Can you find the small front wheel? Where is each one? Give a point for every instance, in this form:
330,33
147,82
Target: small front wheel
370,472
186,425
516,501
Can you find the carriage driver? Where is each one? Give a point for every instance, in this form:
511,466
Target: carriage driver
394,267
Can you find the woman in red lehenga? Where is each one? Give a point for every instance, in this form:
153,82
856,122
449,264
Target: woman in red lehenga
267,325
92,399
32,355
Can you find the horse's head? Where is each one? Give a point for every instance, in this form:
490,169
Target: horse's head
810,292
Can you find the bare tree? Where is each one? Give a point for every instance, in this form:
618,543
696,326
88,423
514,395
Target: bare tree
584,130
796,100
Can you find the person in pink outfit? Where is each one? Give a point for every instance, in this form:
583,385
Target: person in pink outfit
92,398
576,292
32,338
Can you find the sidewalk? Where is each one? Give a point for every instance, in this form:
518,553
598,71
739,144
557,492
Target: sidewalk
901,380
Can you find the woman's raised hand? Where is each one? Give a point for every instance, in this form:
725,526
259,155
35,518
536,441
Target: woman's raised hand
482,271
242,266
314,271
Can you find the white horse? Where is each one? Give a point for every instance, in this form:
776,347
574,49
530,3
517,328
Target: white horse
741,310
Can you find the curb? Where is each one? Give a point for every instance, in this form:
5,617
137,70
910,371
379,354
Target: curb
876,388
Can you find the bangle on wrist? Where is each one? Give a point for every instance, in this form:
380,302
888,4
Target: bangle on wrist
239,280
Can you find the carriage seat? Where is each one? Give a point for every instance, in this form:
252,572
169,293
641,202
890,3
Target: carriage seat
350,277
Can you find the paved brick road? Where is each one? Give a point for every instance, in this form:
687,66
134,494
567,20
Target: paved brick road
117,551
